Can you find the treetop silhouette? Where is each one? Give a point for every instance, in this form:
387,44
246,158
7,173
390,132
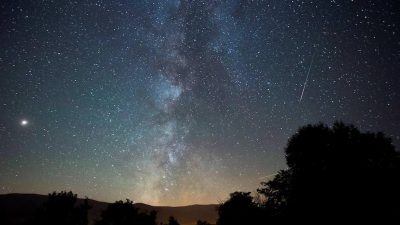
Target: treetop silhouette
124,213
336,172
61,208
238,209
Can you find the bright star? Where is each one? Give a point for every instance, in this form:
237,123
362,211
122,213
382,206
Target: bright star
24,122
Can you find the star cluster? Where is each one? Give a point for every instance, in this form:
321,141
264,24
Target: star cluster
182,102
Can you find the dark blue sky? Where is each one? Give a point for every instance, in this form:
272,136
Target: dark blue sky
181,102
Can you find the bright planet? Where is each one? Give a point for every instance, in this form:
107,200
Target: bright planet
24,122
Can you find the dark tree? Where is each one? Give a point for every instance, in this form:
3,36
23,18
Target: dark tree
60,208
124,213
238,209
276,192
172,221
337,174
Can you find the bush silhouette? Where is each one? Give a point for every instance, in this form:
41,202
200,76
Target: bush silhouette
338,174
60,208
172,221
238,209
124,213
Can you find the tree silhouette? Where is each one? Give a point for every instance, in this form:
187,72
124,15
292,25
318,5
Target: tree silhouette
238,209
172,221
336,174
60,208
124,213
276,193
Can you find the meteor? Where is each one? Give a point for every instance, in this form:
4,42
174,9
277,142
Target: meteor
308,74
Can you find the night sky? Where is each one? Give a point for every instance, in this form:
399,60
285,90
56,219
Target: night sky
183,102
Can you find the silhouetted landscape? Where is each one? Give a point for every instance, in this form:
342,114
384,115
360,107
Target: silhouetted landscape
336,174
21,209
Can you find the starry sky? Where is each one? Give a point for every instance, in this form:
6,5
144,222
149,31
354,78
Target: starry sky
182,102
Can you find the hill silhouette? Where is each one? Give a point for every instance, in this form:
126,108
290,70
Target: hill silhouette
17,209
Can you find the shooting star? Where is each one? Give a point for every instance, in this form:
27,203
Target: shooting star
308,74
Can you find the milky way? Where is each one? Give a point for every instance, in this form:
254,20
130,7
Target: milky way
182,102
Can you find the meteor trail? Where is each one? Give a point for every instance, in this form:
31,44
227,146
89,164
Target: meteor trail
308,73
